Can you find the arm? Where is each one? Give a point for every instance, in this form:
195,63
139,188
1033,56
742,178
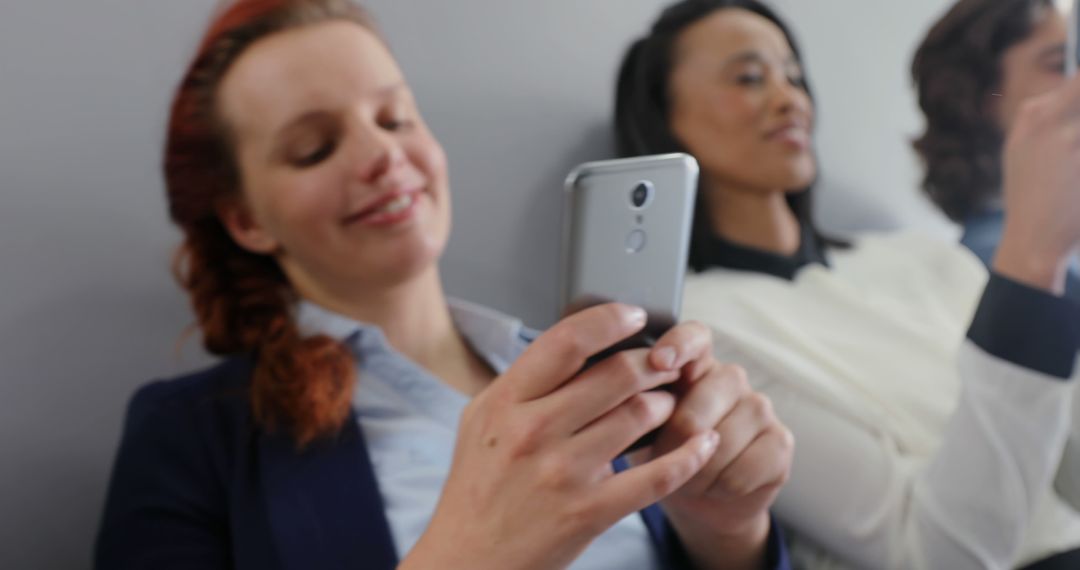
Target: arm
854,493
163,510
1042,166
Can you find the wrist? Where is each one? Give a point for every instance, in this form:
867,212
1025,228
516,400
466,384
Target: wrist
741,546
1037,266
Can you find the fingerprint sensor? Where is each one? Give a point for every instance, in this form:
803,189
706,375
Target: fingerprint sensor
635,241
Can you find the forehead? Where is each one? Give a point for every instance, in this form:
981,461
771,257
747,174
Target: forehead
729,31
329,65
1051,26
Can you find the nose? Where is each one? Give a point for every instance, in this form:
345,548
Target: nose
378,153
790,99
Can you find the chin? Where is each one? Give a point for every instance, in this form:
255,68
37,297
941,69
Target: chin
798,177
416,259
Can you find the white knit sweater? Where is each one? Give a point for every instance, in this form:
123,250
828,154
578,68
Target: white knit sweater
915,449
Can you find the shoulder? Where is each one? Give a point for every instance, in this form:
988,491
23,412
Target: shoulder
181,444
913,253
907,243
217,393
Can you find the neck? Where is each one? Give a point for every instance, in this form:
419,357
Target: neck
413,316
761,220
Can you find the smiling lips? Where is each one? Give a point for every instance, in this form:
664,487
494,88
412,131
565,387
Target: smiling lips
390,209
793,134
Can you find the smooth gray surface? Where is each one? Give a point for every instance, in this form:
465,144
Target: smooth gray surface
518,92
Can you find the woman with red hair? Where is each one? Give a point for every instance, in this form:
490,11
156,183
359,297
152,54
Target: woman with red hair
359,418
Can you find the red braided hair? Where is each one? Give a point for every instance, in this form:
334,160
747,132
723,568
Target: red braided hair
242,300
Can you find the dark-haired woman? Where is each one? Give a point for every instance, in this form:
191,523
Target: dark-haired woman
974,71
361,420
920,446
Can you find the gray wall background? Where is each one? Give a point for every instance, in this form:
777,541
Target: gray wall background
518,92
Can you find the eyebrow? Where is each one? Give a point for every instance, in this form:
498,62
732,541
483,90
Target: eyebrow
1051,51
383,92
752,56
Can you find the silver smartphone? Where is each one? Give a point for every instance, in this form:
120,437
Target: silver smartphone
1072,51
627,236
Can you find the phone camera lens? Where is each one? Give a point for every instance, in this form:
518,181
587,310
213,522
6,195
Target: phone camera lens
641,194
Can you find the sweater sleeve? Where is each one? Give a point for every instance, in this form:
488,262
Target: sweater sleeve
854,493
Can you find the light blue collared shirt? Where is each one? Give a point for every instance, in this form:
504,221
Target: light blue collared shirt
409,419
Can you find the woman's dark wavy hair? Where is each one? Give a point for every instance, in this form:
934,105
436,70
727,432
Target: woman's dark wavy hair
643,103
956,70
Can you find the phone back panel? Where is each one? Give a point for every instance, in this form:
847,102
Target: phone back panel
617,250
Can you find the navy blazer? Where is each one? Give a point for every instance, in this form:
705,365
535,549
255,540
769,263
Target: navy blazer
197,485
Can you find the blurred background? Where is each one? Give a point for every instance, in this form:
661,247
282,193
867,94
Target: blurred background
518,92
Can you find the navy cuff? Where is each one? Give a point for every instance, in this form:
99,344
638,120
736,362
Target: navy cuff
1027,326
776,553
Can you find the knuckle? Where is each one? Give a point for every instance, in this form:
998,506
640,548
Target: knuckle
700,329
736,375
568,342
554,472
629,373
686,424
787,439
736,485
761,407
668,479
639,411
526,436
582,517
740,373
623,362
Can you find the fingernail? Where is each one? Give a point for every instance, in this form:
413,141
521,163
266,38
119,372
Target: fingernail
665,357
712,439
636,317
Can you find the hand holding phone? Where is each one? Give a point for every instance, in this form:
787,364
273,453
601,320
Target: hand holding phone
627,234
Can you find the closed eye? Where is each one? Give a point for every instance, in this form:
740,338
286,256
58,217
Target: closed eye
395,123
316,156
749,79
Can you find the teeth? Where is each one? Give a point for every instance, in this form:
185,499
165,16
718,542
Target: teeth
397,205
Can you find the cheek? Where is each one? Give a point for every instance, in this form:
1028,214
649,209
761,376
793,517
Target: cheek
735,116
429,157
726,129
713,122
301,206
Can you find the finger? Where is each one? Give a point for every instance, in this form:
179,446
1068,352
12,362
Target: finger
1070,95
643,485
765,463
751,417
1055,105
558,354
703,406
601,389
610,435
682,344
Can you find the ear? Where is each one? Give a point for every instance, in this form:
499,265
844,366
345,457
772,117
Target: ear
245,230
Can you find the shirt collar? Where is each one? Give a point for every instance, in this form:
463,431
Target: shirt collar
498,338
720,252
